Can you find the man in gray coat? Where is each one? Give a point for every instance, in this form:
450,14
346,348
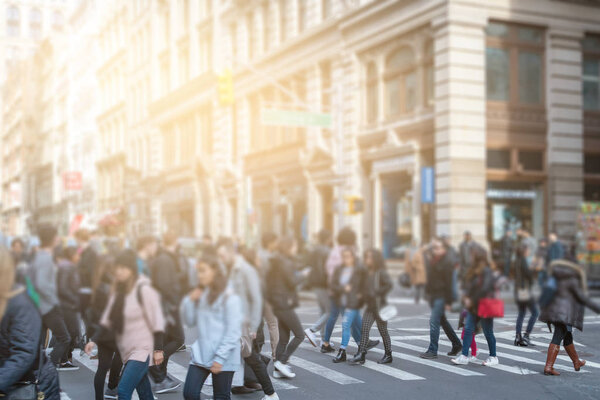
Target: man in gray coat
43,277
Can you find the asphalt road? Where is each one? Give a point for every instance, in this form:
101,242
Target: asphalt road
519,375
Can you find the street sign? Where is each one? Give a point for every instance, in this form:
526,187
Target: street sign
295,118
427,185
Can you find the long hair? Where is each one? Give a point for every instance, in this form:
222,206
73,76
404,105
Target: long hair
7,272
378,260
117,312
219,283
480,261
102,273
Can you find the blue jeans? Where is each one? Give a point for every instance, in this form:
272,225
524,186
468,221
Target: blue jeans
487,325
437,319
542,277
196,376
521,316
350,319
135,377
333,316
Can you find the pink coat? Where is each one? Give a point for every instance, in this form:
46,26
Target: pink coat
141,322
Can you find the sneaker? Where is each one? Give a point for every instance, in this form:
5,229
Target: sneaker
277,375
284,369
327,349
166,386
312,338
491,361
67,366
461,360
428,355
111,393
474,359
241,390
455,350
274,396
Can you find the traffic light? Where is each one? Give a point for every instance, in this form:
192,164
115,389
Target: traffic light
225,87
356,205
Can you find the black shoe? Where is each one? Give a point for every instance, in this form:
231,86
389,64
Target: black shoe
242,390
387,359
254,386
525,341
358,359
428,355
341,356
518,340
67,366
371,344
455,350
327,349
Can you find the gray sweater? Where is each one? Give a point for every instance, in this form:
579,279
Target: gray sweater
43,277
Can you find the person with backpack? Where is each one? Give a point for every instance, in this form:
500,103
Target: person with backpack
20,336
135,316
480,283
564,309
170,280
68,295
375,289
317,279
524,278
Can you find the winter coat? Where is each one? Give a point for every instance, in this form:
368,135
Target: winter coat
439,278
415,267
67,279
168,278
569,302
20,332
355,299
524,275
87,266
318,261
479,287
555,252
245,282
219,328
377,286
282,283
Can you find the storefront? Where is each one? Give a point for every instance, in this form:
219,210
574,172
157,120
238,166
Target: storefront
396,213
178,207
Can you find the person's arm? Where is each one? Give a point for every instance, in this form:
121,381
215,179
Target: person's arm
385,284
581,297
24,337
291,278
164,279
334,285
449,292
256,300
233,329
154,313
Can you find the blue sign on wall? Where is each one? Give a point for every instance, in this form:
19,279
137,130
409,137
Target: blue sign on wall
427,185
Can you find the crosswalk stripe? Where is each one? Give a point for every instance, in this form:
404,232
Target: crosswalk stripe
64,396
587,363
324,372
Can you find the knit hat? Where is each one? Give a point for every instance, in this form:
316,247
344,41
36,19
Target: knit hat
128,259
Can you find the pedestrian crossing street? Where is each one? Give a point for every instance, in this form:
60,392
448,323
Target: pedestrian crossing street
310,365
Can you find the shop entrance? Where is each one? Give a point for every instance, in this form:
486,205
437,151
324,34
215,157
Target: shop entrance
396,212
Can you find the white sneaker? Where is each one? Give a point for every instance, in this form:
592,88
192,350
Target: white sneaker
491,361
461,360
274,396
284,369
277,375
474,359
312,338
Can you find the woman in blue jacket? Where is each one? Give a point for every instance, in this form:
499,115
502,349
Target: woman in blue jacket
216,313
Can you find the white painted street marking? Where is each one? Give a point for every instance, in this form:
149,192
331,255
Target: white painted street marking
323,371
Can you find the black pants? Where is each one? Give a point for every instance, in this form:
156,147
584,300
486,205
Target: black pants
71,318
196,376
288,323
109,359
54,321
562,334
174,339
369,317
257,366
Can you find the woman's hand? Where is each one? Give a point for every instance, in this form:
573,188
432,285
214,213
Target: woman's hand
216,368
159,357
195,294
89,347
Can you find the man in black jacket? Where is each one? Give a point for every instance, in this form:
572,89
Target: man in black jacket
88,259
169,279
440,268
318,281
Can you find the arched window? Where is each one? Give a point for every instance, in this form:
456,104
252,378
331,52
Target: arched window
372,105
13,21
35,23
400,82
429,77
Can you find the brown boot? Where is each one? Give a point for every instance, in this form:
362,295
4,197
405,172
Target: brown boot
577,363
553,350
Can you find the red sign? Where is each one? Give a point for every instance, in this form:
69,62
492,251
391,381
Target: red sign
75,223
72,180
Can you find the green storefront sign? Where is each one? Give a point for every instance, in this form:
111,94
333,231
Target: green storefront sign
295,118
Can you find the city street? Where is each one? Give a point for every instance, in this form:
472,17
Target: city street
519,375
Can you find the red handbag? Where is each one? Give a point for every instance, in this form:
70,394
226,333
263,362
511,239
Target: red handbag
490,308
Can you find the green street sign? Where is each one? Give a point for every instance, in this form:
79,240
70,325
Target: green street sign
295,118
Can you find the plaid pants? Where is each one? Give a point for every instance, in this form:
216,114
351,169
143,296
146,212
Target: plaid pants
368,319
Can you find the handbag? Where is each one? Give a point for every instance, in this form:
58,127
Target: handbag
523,295
490,308
404,280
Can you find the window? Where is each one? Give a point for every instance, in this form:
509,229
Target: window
327,9
372,93
429,74
185,16
326,86
302,15
58,20
266,25
184,67
250,36
591,163
282,20
591,73
13,21
35,23
400,82
234,48
514,64
498,159
531,160
165,74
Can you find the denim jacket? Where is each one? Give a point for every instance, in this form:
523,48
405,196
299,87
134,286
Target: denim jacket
219,328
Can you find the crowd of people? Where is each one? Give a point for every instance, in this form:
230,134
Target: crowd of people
127,307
